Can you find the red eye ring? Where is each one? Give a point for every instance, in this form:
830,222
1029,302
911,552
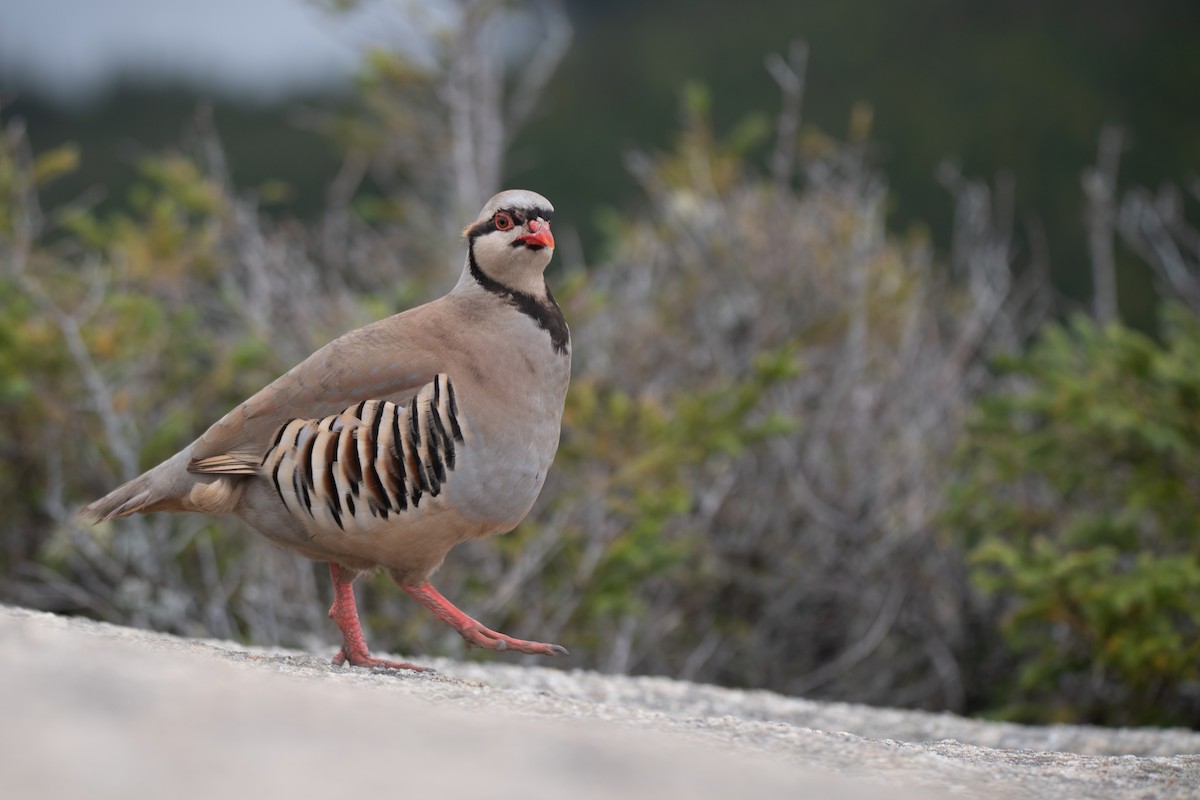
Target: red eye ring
502,221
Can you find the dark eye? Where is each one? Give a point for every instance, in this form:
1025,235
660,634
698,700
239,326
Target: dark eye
502,221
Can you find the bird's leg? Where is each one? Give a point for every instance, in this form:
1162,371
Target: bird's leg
344,612
474,632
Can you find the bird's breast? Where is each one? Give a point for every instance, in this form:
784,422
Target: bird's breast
513,442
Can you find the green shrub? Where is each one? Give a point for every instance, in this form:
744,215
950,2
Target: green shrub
1080,505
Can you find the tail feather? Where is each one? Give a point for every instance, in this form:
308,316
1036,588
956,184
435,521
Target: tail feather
160,489
126,500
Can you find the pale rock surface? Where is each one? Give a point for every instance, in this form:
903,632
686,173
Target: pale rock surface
97,711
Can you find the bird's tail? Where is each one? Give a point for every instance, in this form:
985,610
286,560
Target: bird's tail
129,499
150,491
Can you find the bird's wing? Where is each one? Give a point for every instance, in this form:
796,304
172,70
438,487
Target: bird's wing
389,359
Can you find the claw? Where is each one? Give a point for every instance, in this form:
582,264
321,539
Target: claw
365,659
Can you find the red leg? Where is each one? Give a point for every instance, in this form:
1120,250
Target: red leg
474,632
344,613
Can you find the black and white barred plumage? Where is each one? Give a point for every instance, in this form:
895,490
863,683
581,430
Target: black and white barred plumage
373,459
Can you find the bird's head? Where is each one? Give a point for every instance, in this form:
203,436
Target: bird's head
510,242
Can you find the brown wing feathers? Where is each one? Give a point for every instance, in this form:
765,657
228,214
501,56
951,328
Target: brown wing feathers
227,464
373,459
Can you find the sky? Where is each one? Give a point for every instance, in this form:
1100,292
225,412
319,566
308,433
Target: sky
71,51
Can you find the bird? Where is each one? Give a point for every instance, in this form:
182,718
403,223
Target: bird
398,440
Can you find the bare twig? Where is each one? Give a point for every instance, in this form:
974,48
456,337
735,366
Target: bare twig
790,75
1100,189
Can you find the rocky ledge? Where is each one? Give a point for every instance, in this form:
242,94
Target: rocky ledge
98,711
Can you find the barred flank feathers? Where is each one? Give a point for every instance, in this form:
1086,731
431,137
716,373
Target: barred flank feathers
373,459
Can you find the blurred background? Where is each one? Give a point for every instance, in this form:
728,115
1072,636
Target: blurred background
885,322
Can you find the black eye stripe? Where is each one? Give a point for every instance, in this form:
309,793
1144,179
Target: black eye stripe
523,215
519,217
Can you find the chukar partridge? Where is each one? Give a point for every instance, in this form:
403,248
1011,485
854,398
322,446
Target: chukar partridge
397,441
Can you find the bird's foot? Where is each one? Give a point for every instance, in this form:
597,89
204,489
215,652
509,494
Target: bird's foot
364,659
354,645
475,632
482,636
